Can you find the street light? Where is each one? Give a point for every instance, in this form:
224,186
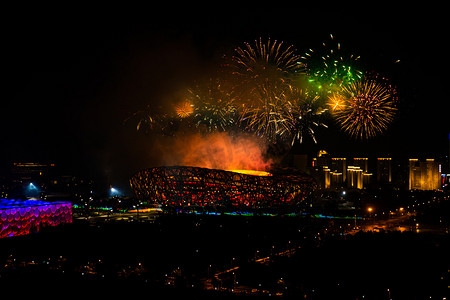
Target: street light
370,209
114,192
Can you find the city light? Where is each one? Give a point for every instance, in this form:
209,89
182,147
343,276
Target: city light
114,192
32,190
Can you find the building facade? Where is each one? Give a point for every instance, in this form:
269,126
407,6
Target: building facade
384,170
424,175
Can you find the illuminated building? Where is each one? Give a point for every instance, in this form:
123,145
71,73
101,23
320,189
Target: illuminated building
322,160
424,175
25,172
355,177
19,217
384,170
363,164
339,167
191,186
326,178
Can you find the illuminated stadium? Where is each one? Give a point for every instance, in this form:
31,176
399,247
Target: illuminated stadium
182,186
20,217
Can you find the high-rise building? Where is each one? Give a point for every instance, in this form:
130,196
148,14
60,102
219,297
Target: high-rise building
32,172
362,162
322,160
424,175
321,170
326,178
339,166
384,170
355,177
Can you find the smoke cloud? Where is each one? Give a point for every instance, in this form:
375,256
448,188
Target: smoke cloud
215,151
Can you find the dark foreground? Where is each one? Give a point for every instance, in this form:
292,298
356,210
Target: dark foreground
191,255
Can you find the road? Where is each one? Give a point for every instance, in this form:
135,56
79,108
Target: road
398,222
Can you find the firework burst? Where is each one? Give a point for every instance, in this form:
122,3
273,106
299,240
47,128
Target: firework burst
264,117
184,109
154,120
301,114
258,90
329,67
263,72
213,107
364,108
265,68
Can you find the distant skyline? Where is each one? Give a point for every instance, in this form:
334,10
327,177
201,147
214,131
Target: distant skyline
71,81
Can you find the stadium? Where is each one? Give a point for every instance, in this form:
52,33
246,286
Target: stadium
181,186
21,217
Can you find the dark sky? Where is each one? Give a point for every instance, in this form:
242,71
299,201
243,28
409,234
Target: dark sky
70,81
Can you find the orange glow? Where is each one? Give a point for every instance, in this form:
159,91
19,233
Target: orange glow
252,172
370,209
184,109
336,102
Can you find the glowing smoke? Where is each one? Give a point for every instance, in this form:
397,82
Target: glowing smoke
215,151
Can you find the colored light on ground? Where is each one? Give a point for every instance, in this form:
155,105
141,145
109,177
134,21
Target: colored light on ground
146,210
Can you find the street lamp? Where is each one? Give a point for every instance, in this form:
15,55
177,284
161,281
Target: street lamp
370,209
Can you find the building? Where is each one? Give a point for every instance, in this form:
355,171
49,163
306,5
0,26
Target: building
339,166
362,163
384,170
181,186
355,177
326,180
32,172
424,175
21,217
330,179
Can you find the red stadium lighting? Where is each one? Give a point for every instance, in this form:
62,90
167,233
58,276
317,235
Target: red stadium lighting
180,186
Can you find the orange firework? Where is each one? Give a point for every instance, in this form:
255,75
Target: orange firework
336,102
184,109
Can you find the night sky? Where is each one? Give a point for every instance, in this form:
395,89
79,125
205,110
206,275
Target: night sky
70,81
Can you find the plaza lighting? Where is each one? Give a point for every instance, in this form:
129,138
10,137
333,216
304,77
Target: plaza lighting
114,192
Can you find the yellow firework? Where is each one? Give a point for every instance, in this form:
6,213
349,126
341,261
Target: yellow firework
265,67
184,109
336,102
364,108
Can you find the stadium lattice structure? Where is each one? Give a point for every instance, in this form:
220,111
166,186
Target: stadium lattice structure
182,186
